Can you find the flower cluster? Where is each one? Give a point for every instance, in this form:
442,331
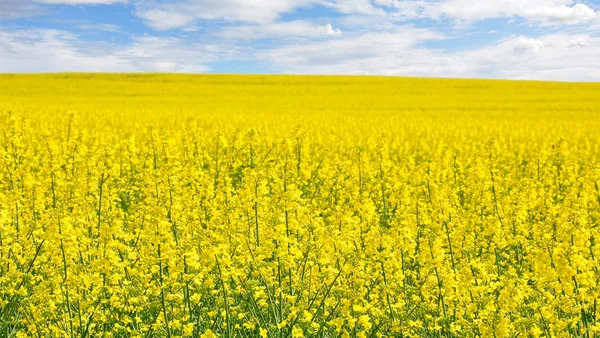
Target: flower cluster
473,213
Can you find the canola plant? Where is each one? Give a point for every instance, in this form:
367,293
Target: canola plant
289,206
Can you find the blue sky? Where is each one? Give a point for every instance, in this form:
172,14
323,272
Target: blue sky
508,39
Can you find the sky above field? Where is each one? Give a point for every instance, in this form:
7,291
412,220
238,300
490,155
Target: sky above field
510,39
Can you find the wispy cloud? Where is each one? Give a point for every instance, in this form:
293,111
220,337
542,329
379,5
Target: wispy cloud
82,2
179,14
101,27
13,9
547,12
550,57
288,29
46,50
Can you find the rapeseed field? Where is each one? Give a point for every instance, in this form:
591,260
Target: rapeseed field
298,206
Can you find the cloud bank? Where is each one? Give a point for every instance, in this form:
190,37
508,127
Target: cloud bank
512,39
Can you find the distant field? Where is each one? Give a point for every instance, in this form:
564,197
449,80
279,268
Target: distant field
298,206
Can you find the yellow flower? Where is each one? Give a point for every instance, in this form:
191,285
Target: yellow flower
188,329
208,334
176,324
135,205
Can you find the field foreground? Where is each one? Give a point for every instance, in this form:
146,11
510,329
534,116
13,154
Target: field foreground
282,206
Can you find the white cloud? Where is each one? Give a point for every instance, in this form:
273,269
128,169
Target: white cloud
368,38
550,57
354,6
579,42
565,15
101,27
52,51
163,19
547,12
43,50
527,44
81,2
182,13
369,53
166,15
288,29
12,9
158,54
